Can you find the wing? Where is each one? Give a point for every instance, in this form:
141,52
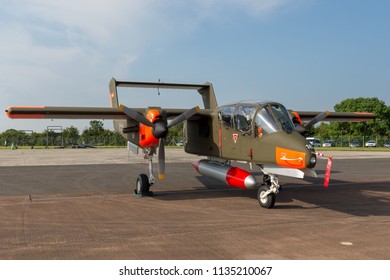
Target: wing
48,112
338,116
311,118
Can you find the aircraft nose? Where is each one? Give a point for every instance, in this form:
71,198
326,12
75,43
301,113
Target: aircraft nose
295,158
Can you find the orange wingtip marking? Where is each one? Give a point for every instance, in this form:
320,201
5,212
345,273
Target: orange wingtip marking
24,116
362,113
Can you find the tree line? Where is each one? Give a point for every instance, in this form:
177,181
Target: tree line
96,134
375,129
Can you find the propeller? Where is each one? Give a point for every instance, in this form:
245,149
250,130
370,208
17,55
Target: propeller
302,129
161,158
184,116
160,130
316,119
135,115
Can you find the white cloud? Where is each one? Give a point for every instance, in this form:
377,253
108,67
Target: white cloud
255,8
63,43
260,7
98,20
66,51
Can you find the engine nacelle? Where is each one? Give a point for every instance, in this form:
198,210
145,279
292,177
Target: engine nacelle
146,138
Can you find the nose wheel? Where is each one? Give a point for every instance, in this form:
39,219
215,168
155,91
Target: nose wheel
142,186
266,195
144,181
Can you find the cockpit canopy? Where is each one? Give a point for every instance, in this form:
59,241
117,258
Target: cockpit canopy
258,118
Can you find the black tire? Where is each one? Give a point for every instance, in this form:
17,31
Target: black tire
267,202
142,185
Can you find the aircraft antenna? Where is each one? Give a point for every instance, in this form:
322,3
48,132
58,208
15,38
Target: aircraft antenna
158,87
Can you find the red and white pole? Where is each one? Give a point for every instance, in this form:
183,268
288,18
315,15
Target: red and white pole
328,169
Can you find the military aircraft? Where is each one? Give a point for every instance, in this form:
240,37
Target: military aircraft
265,134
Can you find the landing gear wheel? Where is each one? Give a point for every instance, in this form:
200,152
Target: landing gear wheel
267,201
142,186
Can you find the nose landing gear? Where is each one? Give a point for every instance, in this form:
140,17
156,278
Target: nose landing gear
266,195
144,182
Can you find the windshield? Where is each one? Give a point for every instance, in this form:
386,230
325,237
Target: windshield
283,117
273,118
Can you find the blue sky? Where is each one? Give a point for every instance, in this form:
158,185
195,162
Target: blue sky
306,54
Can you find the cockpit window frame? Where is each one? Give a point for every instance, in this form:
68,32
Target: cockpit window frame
265,125
280,121
226,115
243,117
282,117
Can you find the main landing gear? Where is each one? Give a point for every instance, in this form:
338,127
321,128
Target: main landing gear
266,195
144,181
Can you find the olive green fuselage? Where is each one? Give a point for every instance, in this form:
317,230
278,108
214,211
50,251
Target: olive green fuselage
210,137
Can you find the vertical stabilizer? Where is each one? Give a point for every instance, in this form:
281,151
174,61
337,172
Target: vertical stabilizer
113,94
208,96
118,124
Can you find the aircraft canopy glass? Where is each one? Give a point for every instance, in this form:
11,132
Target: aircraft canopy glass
273,118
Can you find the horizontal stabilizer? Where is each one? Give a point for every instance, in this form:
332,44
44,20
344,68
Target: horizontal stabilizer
160,85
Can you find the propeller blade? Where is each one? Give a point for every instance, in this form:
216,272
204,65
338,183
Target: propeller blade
161,158
135,115
316,119
300,129
184,116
